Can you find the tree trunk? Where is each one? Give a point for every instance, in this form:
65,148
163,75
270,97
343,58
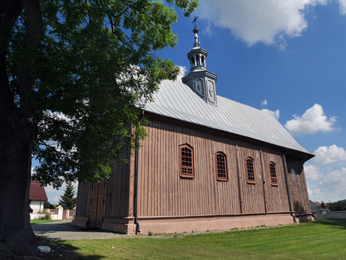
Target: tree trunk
16,141
17,133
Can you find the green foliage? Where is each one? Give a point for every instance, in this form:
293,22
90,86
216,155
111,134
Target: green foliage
323,205
339,205
48,205
150,233
95,66
46,216
68,199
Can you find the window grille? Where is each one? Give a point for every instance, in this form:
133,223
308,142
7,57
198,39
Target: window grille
273,176
250,170
221,166
186,161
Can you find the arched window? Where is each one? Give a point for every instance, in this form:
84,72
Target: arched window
273,177
221,166
187,169
250,170
294,178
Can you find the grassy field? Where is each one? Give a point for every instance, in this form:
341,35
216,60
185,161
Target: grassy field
319,240
41,221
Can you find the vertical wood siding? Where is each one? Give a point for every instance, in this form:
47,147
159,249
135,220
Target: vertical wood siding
107,198
163,193
252,194
117,191
277,197
299,193
83,199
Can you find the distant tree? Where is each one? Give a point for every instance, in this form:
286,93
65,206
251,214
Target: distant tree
338,205
323,205
68,200
48,205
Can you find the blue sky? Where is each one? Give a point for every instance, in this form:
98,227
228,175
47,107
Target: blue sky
288,57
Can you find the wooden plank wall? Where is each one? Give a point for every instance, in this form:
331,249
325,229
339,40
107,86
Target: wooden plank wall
299,193
83,199
114,193
117,191
163,193
278,193
251,194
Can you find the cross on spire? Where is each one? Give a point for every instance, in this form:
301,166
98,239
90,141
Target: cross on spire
195,21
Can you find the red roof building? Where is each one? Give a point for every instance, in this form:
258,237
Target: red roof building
37,191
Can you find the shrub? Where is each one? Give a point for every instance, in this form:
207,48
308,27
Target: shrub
150,233
46,216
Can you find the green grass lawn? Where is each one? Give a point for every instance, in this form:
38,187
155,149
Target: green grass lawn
40,221
320,240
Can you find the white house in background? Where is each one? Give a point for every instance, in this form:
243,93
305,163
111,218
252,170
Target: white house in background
38,196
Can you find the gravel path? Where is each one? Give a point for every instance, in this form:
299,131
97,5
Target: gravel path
62,231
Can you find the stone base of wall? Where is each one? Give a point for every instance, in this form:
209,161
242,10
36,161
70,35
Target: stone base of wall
304,218
120,228
197,223
211,223
80,221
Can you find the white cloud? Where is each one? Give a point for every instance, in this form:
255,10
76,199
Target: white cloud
312,121
182,72
264,103
266,21
342,6
55,200
334,185
312,173
331,154
325,183
275,113
282,42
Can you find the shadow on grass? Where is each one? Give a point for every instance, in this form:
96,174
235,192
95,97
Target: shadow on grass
337,223
62,250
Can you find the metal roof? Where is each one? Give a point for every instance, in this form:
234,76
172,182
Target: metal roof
176,100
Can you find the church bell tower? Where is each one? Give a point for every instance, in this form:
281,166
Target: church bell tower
199,79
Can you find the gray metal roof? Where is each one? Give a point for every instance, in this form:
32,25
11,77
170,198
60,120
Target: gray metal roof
176,100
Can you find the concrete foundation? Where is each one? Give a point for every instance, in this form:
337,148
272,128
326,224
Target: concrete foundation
189,224
211,223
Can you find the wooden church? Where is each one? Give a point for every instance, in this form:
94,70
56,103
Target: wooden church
208,163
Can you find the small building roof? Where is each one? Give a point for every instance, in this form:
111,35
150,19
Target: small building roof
37,191
177,100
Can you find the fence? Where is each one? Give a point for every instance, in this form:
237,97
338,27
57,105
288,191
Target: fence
324,214
55,214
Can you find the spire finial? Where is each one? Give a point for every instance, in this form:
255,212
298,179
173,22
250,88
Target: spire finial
195,21
195,31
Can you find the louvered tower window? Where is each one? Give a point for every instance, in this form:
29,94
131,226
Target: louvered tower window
273,176
221,166
186,161
250,170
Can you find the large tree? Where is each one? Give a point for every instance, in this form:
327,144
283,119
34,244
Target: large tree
72,76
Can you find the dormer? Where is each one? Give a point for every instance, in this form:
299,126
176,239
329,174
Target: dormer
199,79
